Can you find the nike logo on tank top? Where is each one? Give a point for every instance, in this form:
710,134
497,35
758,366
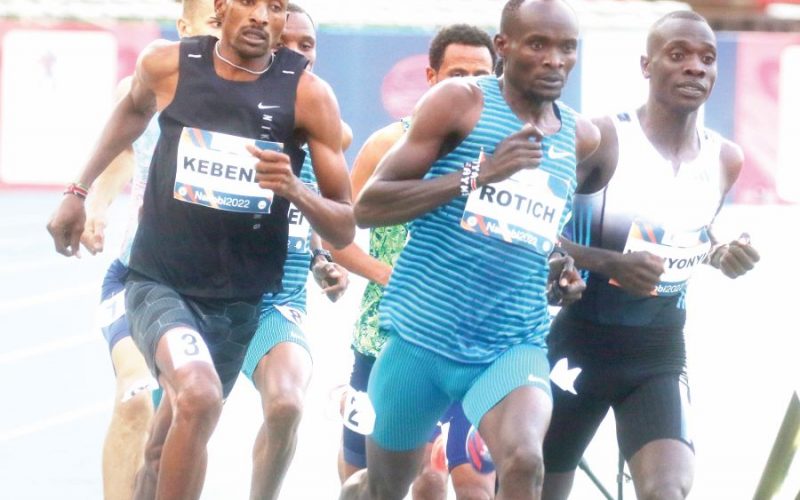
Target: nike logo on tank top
469,290
197,236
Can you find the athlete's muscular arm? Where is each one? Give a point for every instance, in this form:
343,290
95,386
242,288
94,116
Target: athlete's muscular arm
737,257
397,192
105,189
153,84
597,165
352,256
317,119
636,272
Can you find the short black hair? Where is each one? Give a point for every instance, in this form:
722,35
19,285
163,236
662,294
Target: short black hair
687,15
296,9
463,34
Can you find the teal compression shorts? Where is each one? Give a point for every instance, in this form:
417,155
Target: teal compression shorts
276,324
410,387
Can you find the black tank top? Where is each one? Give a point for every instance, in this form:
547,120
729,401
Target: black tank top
208,252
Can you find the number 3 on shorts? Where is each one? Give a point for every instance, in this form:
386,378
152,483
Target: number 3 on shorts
186,346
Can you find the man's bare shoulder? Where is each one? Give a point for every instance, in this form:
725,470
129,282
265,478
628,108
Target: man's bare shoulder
159,59
731,154
454,91
312,88
384,138
587,137
731,158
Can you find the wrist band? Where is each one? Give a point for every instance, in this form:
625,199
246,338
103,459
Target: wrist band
469,177
466,178
78,189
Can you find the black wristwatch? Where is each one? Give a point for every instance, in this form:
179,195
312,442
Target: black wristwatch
317,252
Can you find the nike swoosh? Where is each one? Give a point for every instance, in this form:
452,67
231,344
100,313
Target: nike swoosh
262,106
196,56
555,154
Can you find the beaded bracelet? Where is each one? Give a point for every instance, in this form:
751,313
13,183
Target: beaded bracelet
78,189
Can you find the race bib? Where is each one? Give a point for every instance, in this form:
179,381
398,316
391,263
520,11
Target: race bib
524,209
359,415
215,170
296,316
110,310
682,253
299,228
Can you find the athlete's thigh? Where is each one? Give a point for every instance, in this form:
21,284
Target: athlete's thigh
227,326
662,465
657,408
520,366
279,348
284,371
406,396
573,424
166,330
511,401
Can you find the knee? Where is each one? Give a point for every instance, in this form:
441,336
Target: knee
664,489
524,462
429,484
285,409
135,412
199,401
473,492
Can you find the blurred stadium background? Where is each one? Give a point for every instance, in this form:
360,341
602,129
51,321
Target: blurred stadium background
59,63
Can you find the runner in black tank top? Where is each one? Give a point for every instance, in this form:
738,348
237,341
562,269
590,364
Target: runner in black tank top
217,253
213,235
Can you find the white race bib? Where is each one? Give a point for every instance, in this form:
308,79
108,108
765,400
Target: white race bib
215,170
110,310
359,415
524,209
682,252
296,316
299,228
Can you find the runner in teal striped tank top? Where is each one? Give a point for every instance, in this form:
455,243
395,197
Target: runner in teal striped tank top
486,173
455,51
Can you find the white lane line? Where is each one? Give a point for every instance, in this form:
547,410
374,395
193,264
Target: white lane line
54,421
6,358
45,298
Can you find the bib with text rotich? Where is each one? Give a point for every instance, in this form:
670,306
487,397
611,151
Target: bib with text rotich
216,170
524,209
682,251
299,227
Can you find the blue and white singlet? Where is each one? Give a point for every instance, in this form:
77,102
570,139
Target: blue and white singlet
648,205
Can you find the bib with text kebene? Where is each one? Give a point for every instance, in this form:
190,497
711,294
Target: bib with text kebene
216,170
